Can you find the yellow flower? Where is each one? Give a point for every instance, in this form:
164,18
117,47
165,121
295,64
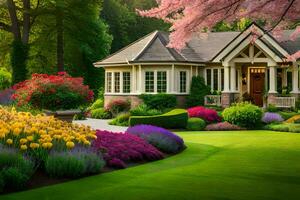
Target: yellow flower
17,131
87,143
34,145
9,141
70,145
30,138
47,145
23,141
24,147
2,135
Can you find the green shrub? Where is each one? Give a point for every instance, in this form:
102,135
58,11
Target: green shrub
271,108
5,79
297,105
99,103
121,120
195,124
14,178
197,93
144,110
244,115
100,113
176,118
1,183
287,115
159,101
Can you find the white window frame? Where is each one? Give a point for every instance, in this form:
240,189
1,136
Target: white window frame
155,80
212,77
113,72
179,81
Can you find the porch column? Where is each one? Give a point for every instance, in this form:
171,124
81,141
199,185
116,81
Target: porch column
133,89
140,79
233,78
173,79
295,79
226,79
272,79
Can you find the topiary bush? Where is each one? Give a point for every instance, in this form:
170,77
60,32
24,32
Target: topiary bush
176,118
209,115
118,149
222,126
243,114
197,92
269,117
144,110
159,101
195,124
161,138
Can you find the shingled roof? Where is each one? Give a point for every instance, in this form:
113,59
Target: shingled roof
153,48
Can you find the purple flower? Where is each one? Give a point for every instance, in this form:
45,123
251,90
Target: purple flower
161,138
271,118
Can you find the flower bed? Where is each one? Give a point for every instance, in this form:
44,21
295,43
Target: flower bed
209,115
222,126
271,118
121,148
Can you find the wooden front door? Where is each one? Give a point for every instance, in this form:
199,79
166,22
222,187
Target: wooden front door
257,81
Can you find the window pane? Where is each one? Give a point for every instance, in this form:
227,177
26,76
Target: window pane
126,82
237,79
161,82
216,80
208,77
183,81
222,79
149,82
117,82
108,81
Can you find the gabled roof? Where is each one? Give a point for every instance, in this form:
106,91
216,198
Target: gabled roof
153,48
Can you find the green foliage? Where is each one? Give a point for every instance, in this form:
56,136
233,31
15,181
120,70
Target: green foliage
195,124
100,113
97,104
5,79
121,120
287,115
285,127
14,178
198,91
159,101
176,118
272,108
73,164
297,105
19,58
144,110
243,114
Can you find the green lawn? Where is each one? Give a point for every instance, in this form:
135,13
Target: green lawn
217,165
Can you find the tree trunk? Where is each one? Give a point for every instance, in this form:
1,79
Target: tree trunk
19,56
60,40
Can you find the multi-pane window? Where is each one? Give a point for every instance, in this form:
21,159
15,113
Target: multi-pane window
149,81
208,77
161,81
222,79
126,82
216,80
117,82
108,82
182,78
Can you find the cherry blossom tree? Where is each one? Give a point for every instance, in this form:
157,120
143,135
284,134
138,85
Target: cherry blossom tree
199,16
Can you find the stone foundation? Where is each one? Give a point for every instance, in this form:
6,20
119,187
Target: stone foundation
227,99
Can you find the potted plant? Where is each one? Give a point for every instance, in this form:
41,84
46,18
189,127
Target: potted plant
59,95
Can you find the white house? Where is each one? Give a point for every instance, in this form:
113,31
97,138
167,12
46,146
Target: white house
230,62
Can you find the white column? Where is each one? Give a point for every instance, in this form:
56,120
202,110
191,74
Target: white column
226,79
140,80
295,78
173,79
233,78
272,78
133,80
113,82
284,77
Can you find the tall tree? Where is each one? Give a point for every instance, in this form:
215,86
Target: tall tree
188,17
17,18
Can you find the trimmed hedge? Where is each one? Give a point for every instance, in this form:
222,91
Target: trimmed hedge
176,118
159,101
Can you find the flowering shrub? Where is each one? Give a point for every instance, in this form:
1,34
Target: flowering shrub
271,117
161,138
26,132
209,115
118,105
52,92
222,126
120,148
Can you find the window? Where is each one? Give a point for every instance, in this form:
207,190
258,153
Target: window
109,82
182,78
117,82
222,79
149,82
126,82
161,81
216,80
208,77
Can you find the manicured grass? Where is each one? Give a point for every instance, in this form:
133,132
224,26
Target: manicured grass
217,165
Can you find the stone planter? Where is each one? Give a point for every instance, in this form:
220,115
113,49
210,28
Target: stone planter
65,115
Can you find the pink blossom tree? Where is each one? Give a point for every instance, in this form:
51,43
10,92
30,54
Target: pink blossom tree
198,16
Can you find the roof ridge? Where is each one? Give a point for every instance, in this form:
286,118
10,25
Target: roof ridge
146,46
129,45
